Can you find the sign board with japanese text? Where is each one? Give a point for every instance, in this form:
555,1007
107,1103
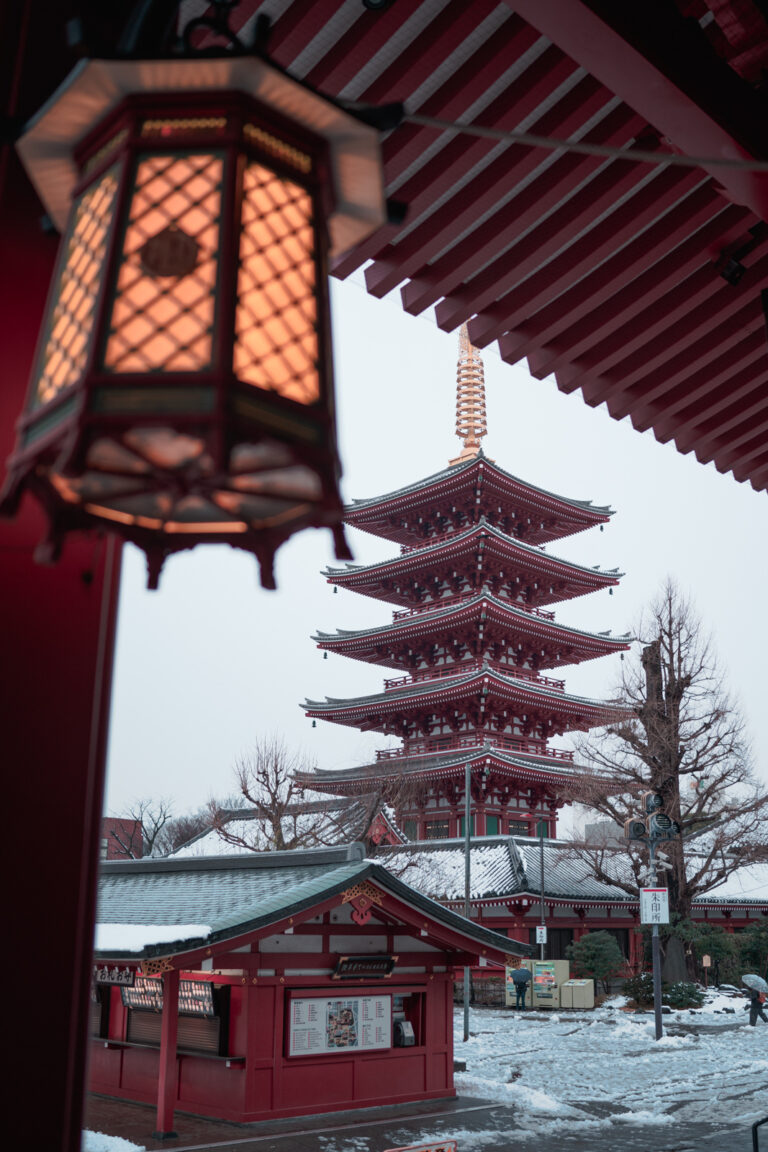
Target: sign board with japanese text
334,1024
541,933
654,906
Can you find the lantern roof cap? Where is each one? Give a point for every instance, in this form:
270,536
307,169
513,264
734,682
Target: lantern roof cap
95,87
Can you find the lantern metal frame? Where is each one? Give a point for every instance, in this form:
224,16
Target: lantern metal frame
247,114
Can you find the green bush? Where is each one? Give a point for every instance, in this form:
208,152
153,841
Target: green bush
640,989
597,954
682,995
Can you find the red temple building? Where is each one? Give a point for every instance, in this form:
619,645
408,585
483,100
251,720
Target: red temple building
477,652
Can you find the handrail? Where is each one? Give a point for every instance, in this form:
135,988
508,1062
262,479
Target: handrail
405,613
426,746
472,666
755,1126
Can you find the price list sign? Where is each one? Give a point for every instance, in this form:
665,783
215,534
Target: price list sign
339,1024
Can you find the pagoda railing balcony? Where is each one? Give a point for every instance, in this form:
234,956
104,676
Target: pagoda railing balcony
428,745
472,666
405,613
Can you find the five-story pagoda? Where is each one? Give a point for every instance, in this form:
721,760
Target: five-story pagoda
474,644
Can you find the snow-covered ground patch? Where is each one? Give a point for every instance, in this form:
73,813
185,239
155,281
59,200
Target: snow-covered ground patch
99,1142
582,1070
598,1079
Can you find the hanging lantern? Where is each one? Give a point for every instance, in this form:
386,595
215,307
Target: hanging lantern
183,386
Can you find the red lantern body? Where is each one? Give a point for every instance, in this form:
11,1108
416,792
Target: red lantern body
183,390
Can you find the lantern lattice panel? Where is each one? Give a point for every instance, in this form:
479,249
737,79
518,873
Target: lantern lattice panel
165,298
276,344
66,345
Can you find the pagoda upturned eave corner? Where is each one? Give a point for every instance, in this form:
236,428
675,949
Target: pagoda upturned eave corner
473,641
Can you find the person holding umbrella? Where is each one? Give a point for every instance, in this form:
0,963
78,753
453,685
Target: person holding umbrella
520,978
757,989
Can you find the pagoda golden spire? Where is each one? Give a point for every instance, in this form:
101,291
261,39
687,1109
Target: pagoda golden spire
471,423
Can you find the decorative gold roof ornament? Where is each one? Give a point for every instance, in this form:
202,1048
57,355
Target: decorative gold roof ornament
471,423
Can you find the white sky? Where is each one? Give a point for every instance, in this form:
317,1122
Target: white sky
210,661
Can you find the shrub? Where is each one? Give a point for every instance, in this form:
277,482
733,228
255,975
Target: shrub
640,989
682,995
597,954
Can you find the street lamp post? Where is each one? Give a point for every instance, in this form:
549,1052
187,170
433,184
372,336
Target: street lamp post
651,828
467,877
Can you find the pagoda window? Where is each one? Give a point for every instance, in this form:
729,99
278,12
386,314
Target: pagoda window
436,829
411,829
491,825
471,825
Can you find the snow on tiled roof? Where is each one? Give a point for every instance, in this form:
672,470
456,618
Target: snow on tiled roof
749,883
437,868
322,821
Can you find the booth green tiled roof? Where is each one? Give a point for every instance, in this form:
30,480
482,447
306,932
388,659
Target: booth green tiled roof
235,895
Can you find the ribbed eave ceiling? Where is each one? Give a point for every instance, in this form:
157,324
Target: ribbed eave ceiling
601,270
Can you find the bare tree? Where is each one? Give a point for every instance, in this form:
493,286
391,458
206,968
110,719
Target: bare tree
682,737
142,828
282,811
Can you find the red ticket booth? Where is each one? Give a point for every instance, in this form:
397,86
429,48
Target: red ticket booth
277,984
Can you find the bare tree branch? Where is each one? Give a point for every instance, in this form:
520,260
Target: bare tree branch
684,739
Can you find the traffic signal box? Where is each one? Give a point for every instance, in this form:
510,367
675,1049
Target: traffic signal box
655,825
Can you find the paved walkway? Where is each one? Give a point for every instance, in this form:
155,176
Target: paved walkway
480,1125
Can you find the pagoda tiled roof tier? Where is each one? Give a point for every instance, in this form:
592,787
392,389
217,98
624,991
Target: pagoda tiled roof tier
541,771
533,634
467,560
458,496
486,698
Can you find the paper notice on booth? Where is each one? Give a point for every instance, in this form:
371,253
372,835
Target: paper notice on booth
331,1024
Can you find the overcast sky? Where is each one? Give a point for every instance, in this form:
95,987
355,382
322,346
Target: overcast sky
210,662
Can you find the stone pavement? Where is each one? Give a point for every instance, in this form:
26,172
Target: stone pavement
479,1125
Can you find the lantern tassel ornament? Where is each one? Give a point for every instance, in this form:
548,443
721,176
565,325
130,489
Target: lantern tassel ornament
183,386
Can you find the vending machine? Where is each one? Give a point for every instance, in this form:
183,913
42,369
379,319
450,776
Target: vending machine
548,975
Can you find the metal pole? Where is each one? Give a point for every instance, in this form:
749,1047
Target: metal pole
542,946
656,951
466,890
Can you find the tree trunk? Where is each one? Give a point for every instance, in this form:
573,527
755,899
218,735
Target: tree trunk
674,967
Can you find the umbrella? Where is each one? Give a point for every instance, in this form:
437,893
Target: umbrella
756,983
521,975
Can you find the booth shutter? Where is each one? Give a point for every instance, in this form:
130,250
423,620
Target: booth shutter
196,1033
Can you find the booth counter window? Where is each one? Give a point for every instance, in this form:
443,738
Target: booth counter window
203,1015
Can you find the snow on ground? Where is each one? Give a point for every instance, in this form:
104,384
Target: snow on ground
571,1071
98,1142
590,1072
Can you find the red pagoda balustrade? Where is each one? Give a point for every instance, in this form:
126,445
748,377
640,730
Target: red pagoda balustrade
430,745
473,666
406,613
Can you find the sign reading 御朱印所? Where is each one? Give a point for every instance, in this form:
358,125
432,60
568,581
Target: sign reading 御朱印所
339,1024
654,906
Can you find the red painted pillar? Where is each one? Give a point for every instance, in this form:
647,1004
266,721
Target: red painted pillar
57,629
166,1081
